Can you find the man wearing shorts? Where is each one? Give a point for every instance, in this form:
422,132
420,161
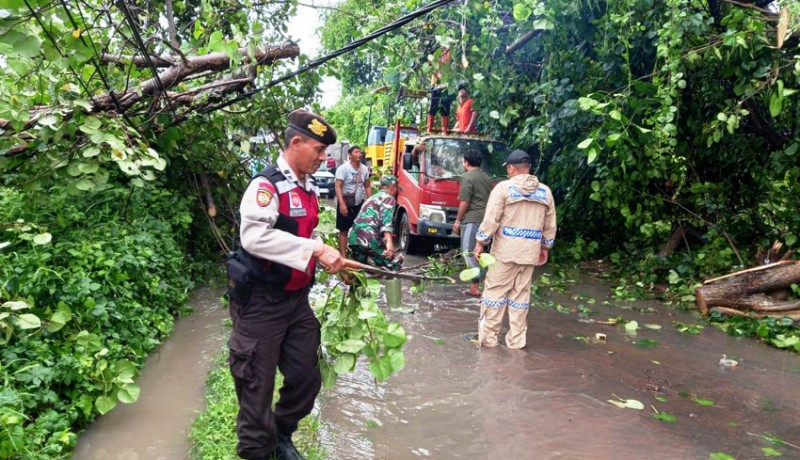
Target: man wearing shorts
352,188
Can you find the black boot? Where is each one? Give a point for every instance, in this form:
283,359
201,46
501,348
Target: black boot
286,449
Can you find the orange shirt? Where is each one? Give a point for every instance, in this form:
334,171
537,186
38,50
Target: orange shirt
464,115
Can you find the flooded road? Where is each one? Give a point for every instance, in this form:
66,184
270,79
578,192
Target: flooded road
172,386
549,401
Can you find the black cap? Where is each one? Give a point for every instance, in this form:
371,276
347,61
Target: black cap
462,85
313,126
517,157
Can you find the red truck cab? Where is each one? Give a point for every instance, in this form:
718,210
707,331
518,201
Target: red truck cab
429,170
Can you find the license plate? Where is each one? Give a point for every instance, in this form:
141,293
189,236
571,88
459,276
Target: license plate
433,230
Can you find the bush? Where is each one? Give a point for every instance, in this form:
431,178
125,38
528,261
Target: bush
88,287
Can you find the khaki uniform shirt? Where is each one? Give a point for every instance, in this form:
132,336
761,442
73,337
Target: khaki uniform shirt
256,231
520,218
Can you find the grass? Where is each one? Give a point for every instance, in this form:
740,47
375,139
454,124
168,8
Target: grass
213,434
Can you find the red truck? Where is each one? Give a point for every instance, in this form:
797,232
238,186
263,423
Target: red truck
428,170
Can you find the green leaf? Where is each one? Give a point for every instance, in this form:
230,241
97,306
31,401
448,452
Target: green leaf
397,359
129,393
59,319
16,305
791,150
344,363
542,24
395,335
655,327
48,120
628,404
478,76
721,456
28,321
42,238
487,260
631,326
26,45
104,404
770,452
775,104
469,274
216,42
380,368
665,417
494,114
592,155
703,402
351,346
521,12
85,185
586,143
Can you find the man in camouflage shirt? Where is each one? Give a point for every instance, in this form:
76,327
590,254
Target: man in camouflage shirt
371,235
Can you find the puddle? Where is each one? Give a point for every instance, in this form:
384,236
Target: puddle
172,386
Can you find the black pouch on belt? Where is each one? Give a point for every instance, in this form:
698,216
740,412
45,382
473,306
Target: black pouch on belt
240,281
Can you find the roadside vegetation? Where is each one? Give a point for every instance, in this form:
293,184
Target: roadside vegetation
213,434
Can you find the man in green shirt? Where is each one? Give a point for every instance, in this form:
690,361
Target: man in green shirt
475,188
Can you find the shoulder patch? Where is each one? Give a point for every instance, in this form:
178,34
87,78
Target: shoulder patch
263,196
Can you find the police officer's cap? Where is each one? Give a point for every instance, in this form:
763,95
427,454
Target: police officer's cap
517,157
313,126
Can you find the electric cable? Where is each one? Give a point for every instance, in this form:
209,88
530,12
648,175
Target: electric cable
345,49
137,38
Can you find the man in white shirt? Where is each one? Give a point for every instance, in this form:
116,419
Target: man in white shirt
352,188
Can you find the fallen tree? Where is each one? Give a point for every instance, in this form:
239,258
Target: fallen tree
756,292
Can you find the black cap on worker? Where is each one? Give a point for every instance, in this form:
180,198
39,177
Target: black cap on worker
517,157
313,126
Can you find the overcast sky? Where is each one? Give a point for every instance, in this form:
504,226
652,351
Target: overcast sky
304,29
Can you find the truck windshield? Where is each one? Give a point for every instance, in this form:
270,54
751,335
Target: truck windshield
446,157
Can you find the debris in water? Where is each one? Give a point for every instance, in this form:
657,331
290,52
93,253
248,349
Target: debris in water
727,362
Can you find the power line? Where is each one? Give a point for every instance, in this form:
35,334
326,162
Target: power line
345,49
96,64
140,44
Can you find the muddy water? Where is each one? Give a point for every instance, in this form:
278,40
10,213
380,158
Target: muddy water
172,386
549,401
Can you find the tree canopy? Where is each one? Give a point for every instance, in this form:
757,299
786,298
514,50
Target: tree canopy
649,119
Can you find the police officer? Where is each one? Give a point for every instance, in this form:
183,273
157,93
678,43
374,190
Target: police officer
269,281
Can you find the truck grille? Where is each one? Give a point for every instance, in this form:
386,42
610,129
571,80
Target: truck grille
450,214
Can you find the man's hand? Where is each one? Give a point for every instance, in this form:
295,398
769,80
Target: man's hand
342,208
456,227
389,251
478,249
329,257
543,253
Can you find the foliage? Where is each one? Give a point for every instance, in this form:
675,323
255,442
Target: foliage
87,290
353,325
644,117
213,434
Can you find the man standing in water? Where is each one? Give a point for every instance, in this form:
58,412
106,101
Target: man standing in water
268,285
520,221
473,194
352,188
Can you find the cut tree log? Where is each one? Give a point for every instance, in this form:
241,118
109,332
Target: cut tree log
738,287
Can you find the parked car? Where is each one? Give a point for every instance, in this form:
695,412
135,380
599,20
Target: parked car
325,182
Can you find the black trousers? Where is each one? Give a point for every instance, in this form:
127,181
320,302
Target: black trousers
440,102
274,329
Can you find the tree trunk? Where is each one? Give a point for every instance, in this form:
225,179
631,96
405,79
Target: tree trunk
728,289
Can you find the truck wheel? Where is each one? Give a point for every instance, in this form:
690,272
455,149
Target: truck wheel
410,244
